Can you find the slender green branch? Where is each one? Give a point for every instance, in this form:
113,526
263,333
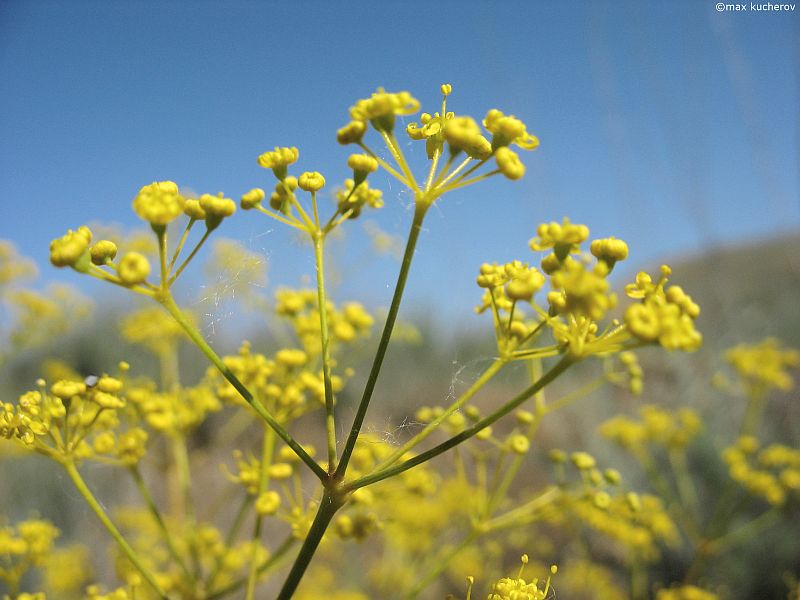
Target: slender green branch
386,166
748,531
189,258
408,256
391,143
162,526
548,377
84,491
328,506
268,446
181,243
434,163
459,168
161,233
330,421
169,304
293,222
461,182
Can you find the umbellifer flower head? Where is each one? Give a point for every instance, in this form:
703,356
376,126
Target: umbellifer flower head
380,108
67,250
159,203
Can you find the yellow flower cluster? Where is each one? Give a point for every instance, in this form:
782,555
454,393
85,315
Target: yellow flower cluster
73,250
287,384
299,307
202,541
13,267
640,523
579,297
510,588
765,365
773,473
75,419
151,327
176,411
42,316
664,315
26,545
654,427
352,198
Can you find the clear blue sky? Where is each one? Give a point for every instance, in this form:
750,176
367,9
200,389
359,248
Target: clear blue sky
668,124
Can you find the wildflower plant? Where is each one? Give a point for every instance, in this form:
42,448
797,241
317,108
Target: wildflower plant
549,311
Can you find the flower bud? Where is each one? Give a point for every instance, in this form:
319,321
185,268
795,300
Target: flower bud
509,164
133,268
252,198
193,210
311,181
351,133
103,251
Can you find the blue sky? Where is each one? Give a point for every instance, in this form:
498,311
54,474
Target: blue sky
667,124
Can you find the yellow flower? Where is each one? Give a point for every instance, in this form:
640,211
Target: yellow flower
380,108
66,251
362,165
278,160
311,181
103,251
564,237
67,389
216,208
133,268
609,250
507,129
351,133
766,363
159,203
252,198
464,134
193,210
663,316
509,163
268,503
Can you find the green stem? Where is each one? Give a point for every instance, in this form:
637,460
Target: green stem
485,377
181,456
169,304
330,421
162,526
268,446
408,256
328,506
181,243
84,491
162,255
748,531
546,379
